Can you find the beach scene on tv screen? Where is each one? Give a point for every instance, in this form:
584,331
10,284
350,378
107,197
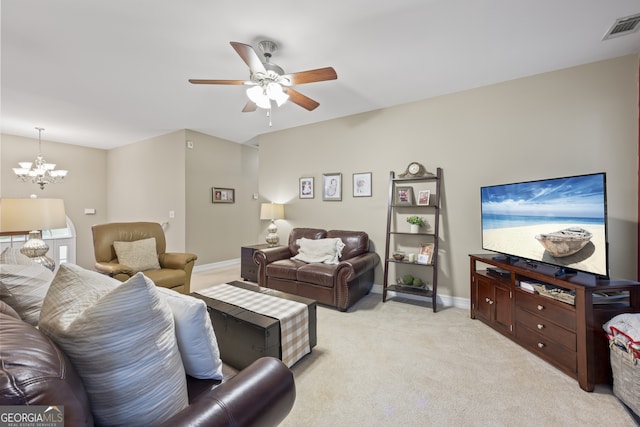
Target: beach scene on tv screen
559,221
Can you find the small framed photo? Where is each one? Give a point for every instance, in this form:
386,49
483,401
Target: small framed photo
362,184
423,197
425,254
306,188
223,195
404,196
332,186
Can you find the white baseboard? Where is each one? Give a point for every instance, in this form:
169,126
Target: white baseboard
444,300
216,265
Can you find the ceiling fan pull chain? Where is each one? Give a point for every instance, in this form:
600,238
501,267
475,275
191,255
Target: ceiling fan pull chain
269,115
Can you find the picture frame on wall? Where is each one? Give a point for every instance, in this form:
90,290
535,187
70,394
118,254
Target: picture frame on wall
404,196
223,195
332,186
362,184
423,197
305,190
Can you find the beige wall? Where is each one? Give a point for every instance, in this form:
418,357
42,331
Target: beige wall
216,231
573,121
147,181
84,187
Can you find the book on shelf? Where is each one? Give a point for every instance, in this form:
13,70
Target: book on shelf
527,285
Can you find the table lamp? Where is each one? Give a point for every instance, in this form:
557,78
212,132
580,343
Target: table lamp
272,211
31,216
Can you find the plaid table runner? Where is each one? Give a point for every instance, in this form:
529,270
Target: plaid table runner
293,316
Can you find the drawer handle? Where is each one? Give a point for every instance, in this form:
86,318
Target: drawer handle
540,307
540,345
540,326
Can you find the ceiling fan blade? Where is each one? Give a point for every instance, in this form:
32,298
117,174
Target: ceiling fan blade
300,99
250,57
319,75
217,82
249,107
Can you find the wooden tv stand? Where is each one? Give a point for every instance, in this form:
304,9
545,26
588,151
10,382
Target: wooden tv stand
570,337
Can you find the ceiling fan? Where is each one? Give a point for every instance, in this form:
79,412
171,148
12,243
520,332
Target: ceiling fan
268,81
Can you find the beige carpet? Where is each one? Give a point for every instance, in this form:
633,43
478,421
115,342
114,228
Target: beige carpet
399,364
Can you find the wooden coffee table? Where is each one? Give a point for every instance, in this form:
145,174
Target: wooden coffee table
243,335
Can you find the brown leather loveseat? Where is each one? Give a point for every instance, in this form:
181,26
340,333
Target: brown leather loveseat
35,371
339,285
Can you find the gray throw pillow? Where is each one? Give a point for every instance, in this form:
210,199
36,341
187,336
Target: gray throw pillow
120,338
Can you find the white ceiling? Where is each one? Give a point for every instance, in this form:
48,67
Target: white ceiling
113,72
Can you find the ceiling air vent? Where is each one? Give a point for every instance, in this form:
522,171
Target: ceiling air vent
623,26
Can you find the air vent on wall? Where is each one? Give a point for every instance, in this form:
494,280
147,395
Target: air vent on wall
623,26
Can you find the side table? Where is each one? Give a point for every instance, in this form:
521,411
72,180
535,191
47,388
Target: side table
248,269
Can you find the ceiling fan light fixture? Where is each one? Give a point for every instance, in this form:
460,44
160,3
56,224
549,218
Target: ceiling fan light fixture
275,92
258,95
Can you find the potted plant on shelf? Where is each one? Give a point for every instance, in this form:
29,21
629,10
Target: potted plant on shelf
416,222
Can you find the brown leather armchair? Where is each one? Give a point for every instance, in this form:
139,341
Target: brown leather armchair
175,268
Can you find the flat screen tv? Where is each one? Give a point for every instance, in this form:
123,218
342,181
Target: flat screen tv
561,222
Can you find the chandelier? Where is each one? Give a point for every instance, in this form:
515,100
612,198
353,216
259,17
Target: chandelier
42,173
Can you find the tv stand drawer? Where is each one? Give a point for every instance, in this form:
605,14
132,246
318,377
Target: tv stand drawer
545,328
547,309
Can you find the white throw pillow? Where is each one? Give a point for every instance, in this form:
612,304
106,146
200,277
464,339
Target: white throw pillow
13,256
327,251
139,255
24,287
196,339
120,338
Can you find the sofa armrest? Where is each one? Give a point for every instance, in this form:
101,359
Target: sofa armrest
269,255
359,264
112,268
266,256
262,394
175,260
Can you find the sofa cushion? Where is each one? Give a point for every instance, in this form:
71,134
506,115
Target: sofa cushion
24,287
35,372
318,274
196,339
121,339
139,255
319,250
356,242
13,255
284,269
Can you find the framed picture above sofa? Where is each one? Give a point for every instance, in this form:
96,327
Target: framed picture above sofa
362,184
332,186
305,189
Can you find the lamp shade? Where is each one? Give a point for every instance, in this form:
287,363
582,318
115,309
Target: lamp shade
271,211
31,214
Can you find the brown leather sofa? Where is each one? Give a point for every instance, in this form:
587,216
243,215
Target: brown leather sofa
36,372
175,268
338,285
